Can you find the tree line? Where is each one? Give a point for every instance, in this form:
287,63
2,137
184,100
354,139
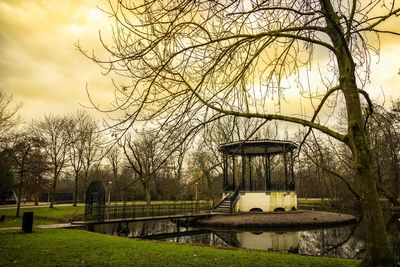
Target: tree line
64,153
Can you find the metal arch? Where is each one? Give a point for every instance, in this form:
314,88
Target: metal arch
95,202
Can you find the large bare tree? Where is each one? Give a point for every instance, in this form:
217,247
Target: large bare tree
190,62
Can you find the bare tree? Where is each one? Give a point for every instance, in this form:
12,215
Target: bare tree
384,135
84,147
191,62
53,130
145,154
7,177
25,152
8,113
114,157
92,154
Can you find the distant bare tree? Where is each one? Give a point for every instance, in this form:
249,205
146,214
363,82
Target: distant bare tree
92,153
25,153
8,113
84,147
145,155
53,130
114,158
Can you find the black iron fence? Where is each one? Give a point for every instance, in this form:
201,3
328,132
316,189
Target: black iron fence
133,210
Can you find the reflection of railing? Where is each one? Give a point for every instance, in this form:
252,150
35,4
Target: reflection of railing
132,211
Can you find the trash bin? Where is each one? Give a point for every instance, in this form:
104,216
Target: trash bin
27,222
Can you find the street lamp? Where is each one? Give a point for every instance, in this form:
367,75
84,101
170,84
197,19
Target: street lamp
196,188
109,192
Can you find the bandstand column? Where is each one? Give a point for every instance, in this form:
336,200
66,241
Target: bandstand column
243,185
286,168
233,171
292,170
250,175
267,172
225,180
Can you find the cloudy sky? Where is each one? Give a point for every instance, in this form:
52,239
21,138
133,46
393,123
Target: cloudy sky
41,67
39,63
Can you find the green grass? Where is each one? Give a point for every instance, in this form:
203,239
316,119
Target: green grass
311,201
80,248
42,215
62,214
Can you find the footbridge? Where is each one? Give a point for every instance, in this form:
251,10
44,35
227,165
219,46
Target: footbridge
123,212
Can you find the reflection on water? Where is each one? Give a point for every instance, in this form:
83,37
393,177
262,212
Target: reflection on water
344,242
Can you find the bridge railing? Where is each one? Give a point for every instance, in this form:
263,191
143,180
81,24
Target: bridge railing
133,210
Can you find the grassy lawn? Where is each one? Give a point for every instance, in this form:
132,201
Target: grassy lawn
310,201
80,248
66,213
42,215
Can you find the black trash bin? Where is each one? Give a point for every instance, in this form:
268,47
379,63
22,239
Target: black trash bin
27,222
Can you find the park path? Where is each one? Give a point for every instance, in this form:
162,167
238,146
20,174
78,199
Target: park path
44,226
41,205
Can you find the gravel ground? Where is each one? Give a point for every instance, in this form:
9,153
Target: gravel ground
278,219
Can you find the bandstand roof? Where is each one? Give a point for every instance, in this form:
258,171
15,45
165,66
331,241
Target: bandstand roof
257,147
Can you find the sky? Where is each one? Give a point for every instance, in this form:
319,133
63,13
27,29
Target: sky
41,67
39,63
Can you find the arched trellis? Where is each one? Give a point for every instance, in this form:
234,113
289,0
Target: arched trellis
250,149
95,202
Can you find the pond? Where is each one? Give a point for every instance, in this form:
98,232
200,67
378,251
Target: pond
343,242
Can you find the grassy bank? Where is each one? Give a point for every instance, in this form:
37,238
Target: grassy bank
77,248
67,213
42,215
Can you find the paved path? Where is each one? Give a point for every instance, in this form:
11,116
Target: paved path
32,205
44,226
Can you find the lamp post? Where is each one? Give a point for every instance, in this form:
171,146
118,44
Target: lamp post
196,193
109,192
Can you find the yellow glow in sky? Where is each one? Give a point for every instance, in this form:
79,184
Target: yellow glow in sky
39,63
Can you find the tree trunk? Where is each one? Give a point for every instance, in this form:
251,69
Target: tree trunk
19,198
147,193
378,250
396,178
53,191
76,190
148,196
377,242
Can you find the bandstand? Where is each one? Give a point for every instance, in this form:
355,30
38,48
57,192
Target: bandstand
258,175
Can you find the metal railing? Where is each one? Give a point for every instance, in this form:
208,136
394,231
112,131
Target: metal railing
132,210
283,187
234,199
